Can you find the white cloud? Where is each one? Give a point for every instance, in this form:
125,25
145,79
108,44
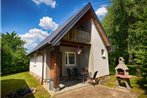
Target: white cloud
48,23
51,3
33,37
101,11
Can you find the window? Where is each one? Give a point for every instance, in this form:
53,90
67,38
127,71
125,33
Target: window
70,58
103,53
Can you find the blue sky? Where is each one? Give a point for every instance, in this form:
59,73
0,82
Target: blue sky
33,20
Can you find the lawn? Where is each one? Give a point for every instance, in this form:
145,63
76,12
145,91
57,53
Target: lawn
13,82
112,82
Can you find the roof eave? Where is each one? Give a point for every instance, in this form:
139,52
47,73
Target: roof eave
101,30
42,47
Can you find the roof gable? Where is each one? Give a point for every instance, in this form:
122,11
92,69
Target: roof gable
58,34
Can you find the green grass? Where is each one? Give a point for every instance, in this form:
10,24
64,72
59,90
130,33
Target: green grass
136,89
13,82
132,71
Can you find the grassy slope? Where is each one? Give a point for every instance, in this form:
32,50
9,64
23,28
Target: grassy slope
13,82
112,82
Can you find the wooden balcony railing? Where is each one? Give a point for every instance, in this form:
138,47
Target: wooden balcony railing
77,36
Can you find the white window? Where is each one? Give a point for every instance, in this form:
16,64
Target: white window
103,53
70,58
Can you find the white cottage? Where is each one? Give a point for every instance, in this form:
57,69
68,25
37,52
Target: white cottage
79,42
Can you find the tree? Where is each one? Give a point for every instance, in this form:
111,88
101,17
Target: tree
116,26
144,74
13,55
126,26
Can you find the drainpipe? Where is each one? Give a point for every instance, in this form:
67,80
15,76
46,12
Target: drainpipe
42,68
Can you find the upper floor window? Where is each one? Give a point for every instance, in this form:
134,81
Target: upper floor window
103,53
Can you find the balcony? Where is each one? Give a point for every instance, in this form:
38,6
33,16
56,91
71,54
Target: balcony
75,35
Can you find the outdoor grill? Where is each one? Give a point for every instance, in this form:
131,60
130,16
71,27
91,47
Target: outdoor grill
121,68
122,73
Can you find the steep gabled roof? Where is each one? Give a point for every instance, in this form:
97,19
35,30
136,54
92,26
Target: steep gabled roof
58,34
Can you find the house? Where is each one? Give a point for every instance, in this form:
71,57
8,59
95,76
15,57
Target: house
79,42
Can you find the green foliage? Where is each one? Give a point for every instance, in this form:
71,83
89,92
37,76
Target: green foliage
116,27
138,32
126,26
143,81
13,55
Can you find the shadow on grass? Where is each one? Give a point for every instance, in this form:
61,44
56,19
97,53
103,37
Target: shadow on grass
10,86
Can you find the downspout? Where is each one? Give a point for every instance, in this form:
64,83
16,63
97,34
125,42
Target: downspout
42,68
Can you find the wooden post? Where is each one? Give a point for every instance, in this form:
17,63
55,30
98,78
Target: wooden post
56,68
42,69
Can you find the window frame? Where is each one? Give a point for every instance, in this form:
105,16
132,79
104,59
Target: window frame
75,60
103,53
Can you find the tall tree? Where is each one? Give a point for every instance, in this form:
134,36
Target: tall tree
125,25
13,55
138,31
116,25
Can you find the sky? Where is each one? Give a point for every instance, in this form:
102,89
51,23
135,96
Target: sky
34,20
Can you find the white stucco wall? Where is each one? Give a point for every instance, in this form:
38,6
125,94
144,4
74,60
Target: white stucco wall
97,62
36,67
